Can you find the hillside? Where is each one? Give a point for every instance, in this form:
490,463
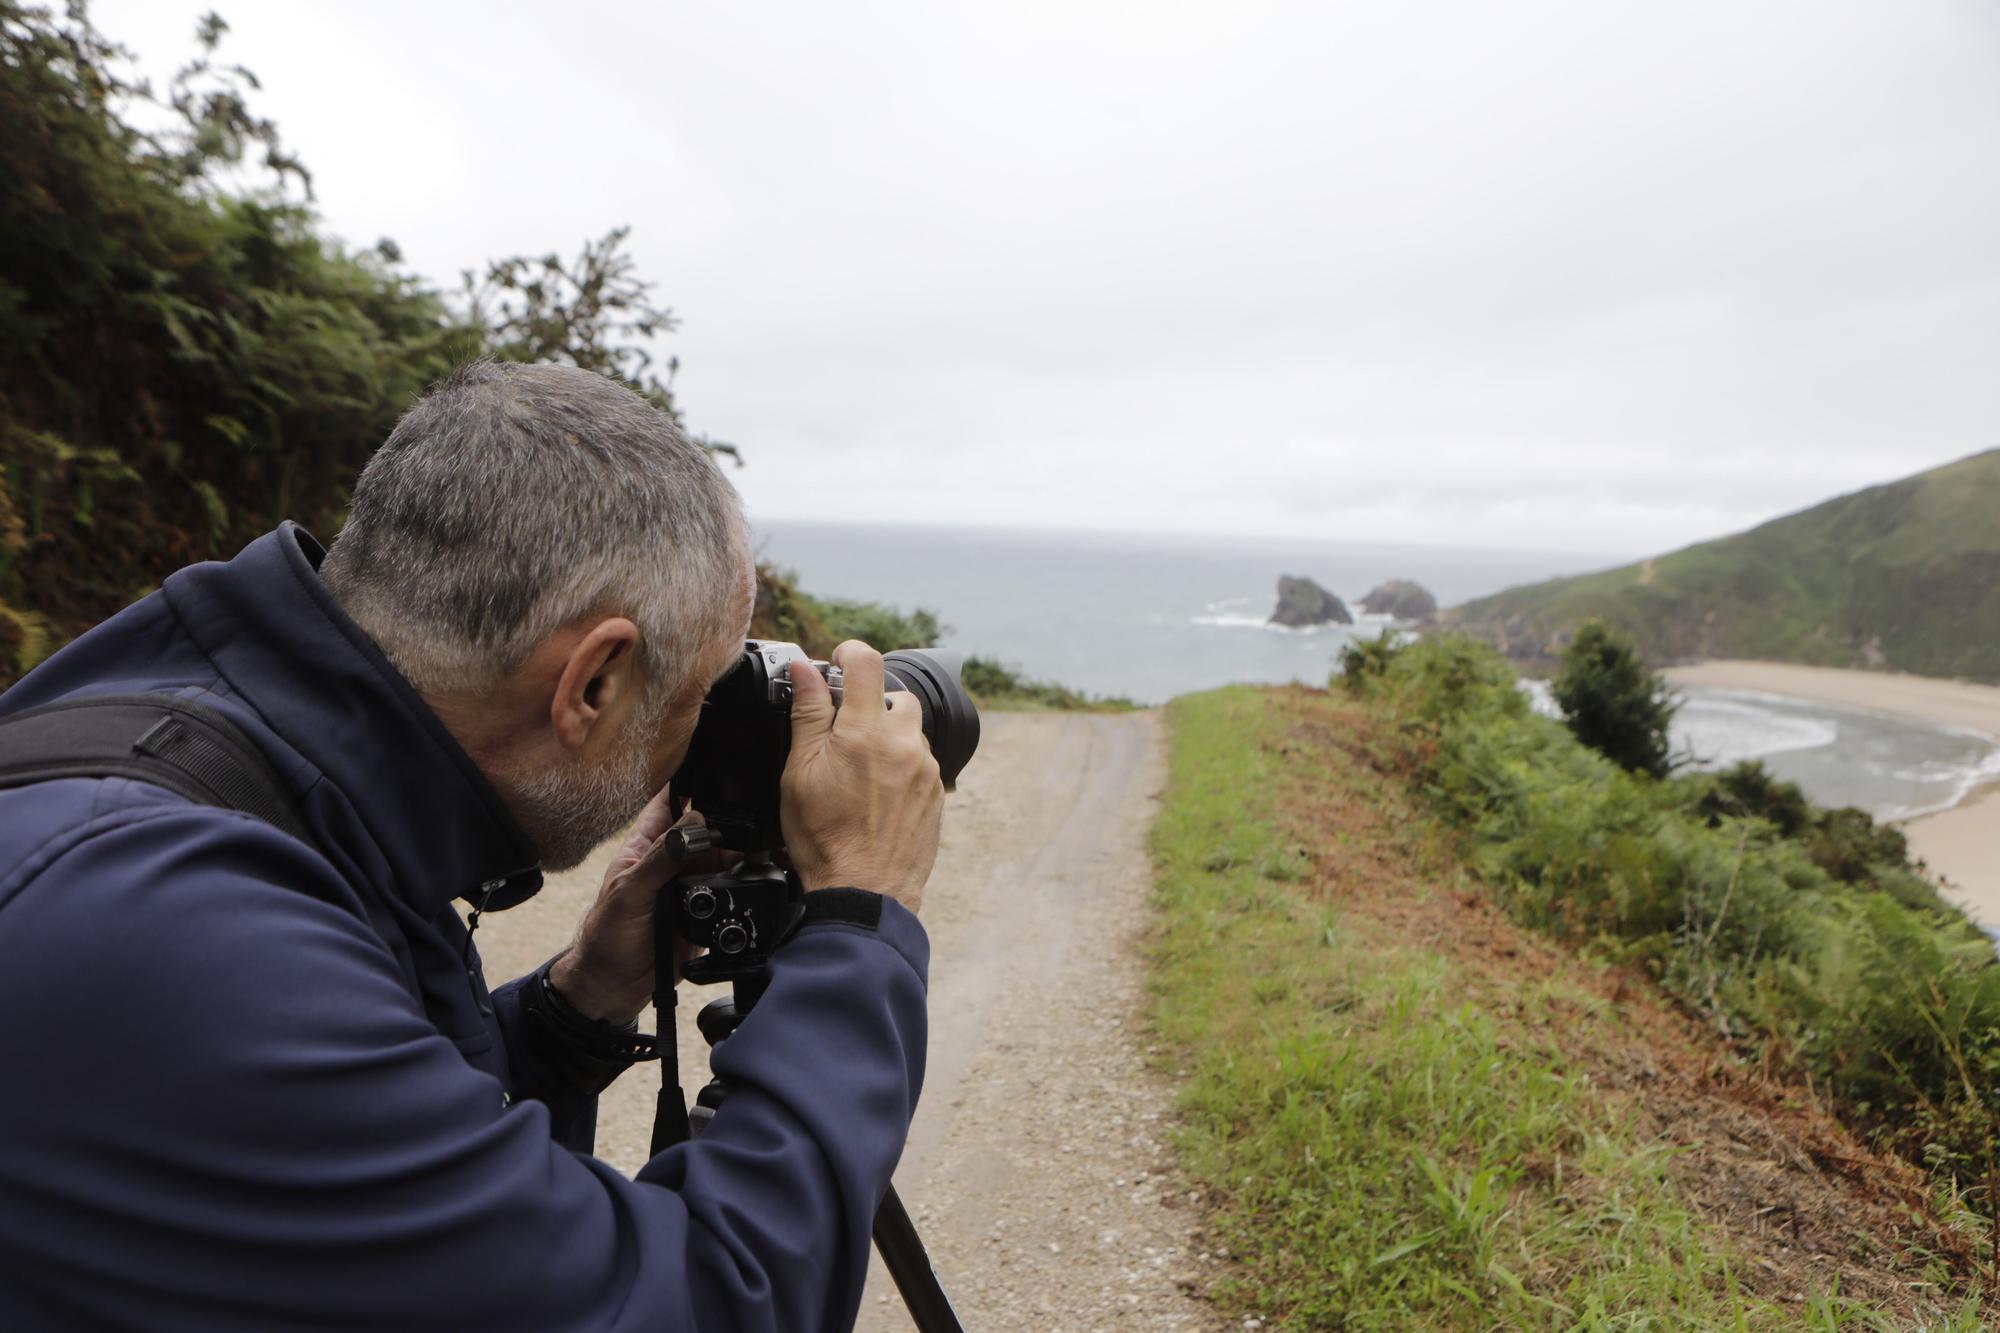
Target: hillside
1409,1107
1902,577
1479,1032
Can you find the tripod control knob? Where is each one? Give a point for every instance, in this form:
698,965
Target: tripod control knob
732,938
690,840
699,902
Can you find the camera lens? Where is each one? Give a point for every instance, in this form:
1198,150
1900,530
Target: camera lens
699,902
951,722
732,938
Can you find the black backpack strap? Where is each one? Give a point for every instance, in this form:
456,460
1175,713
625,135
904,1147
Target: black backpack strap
188,748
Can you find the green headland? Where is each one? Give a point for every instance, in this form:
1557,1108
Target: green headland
1899,577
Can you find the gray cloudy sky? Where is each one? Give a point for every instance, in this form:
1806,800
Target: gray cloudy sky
1593,276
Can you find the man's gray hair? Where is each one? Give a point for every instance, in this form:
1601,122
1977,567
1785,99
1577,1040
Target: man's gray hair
512,499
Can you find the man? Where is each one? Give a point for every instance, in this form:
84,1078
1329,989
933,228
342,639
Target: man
256,1084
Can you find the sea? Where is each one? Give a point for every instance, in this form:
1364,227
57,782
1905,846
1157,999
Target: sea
1149,616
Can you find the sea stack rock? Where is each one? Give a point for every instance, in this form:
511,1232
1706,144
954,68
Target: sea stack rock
1302,602
1403,599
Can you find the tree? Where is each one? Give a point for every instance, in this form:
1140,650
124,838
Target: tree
185,357
1612,702
594,313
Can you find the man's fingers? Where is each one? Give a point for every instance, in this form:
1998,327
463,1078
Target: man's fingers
861,682
904,710
655,819
812,707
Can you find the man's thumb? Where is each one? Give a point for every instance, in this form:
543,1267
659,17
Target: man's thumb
812,706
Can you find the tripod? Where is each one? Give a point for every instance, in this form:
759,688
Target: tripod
895,1233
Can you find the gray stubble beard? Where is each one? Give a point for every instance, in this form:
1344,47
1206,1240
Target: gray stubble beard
568,812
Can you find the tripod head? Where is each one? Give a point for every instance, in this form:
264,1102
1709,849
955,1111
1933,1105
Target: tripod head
739,914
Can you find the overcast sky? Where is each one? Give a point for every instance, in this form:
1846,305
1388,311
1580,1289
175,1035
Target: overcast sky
1592,276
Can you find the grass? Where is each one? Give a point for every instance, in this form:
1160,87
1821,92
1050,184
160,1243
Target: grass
1383,1142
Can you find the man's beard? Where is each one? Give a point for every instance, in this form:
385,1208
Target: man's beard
569,811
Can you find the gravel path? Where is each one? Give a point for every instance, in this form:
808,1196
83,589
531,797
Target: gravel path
1038,1169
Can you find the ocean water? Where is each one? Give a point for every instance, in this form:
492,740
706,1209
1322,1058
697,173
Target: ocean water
1890,766
1142,616
1148,616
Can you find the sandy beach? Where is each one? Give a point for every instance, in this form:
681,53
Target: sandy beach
1961,846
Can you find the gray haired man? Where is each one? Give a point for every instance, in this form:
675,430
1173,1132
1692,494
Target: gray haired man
318,1113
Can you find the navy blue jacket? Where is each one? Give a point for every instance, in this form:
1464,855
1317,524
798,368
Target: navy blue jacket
245,1084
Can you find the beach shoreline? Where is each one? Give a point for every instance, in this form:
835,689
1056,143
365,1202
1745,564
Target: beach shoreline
1959,846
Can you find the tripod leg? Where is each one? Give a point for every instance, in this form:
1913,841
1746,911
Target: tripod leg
903,1255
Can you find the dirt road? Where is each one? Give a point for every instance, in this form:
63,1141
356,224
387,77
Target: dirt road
1037,1169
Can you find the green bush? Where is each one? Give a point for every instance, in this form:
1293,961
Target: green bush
1749,791
882,627
1799,930
1612,703
1364,659
998,685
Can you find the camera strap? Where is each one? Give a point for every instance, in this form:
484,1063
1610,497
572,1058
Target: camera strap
188,748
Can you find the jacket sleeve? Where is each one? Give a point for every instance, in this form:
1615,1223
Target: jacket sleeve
540,1070
240,1119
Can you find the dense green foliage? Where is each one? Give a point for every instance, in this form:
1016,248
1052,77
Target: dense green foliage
185,358
1845,843
789,613
1797,931
177,366
997,685
1611,702
1384,1145
1904,576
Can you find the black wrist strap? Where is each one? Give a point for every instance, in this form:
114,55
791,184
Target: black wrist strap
853,907
591,1052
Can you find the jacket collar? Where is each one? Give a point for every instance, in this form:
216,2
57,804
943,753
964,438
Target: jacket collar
323,686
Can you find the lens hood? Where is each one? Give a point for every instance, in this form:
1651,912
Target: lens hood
951,721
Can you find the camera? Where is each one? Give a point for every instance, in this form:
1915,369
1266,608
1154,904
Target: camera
734,762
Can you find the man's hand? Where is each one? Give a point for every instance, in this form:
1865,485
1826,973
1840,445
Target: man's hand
861,796
608,972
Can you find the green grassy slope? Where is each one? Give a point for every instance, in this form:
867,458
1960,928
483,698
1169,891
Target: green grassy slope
1404,1110
1904,576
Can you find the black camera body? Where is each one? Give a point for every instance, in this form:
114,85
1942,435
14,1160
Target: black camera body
734,763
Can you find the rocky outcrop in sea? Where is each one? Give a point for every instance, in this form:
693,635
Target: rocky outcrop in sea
1403,599
1302,602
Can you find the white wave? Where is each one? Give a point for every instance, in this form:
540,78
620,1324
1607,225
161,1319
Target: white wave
1242,613
1965,780
1260,622
1720,730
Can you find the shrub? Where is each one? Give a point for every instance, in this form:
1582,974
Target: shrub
1612,703
1749,791
1366,659
1849,845
995,683
881,627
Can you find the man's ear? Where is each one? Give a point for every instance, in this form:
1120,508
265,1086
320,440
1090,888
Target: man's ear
602,667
